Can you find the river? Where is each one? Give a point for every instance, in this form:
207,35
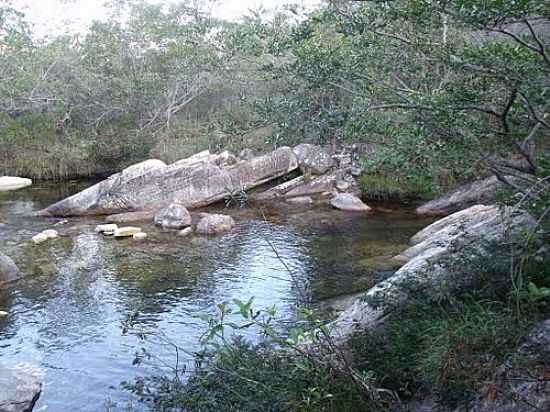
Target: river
67,315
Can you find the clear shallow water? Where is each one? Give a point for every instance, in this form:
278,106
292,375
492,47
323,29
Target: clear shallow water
66,316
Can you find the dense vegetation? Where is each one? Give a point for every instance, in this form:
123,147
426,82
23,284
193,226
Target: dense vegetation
436,92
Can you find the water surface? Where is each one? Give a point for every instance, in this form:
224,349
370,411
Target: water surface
67,315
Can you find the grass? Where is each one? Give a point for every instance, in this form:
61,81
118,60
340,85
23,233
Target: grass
30,146
379,187
445,351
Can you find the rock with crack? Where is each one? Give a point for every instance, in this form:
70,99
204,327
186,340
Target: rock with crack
194,182
475,231
20,388
314,159
300,186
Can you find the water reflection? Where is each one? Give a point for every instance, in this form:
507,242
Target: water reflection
66,315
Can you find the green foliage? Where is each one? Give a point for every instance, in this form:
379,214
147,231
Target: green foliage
245,377
273,374
433,87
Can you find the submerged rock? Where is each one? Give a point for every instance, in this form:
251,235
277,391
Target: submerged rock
141,216
8,183
193,182
127,231
479,192
314,159
8,270
174,216
20,388
477,231
301,200
139,236
348,203
214,224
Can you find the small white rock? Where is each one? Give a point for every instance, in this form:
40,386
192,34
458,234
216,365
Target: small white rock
127,231
185,232
140,236
62,222
3,314
108,229
50,233
39,238
45,235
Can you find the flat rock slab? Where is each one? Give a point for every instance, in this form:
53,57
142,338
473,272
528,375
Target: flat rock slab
20,388
8,183
140,216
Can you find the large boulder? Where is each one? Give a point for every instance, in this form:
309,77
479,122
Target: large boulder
214,224
20,388
314,159
194,182
349,203
475,232
8,270
8,183
113,195
174,216
479,192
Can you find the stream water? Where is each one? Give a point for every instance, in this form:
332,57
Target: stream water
66,316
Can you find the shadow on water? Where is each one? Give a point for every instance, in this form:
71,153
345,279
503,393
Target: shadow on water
66,315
